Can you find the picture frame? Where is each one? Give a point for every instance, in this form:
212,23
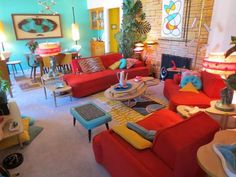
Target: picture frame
37,26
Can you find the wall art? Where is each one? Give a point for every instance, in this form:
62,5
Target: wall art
172,18
36,26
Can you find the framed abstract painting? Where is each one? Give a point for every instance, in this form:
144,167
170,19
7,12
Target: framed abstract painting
172,18
36,26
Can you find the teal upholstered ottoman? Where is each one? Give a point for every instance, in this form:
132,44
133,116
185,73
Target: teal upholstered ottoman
90,116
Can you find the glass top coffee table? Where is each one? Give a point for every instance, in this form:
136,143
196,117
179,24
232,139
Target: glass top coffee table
136,90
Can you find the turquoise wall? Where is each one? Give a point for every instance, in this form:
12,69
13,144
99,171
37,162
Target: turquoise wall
62,7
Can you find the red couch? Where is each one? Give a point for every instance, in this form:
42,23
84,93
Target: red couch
84,84
211,87
173,153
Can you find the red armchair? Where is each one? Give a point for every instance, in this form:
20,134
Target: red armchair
211,87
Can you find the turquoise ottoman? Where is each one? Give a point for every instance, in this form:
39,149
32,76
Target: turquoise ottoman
90,116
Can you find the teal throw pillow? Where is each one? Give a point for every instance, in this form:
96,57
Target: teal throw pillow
122,63
196,81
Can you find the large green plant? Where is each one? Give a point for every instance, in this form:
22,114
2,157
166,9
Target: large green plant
4,84
134,27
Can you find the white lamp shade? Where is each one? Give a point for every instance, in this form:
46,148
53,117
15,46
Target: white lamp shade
75,32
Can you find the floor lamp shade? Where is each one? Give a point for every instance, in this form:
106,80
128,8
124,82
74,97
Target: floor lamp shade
75,32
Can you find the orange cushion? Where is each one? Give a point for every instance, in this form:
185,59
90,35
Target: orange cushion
189,87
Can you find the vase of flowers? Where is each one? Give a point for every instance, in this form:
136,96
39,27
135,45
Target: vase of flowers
32,45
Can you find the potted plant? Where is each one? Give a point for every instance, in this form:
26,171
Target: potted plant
4,86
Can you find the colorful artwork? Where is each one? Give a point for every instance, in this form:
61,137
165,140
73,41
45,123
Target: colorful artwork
172,15
34,26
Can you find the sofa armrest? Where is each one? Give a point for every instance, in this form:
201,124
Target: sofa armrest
177,145
139,64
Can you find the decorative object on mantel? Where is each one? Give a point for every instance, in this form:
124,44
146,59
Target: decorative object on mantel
50,50
216,63
47,6
132,31
2,36
32,45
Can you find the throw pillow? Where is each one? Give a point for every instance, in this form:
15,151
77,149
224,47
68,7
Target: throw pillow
196,81
147,134
130,62
189,88
91,65
189,73
132,137
122,63
114,65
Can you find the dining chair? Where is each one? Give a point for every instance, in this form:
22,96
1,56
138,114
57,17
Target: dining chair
33,64
65,63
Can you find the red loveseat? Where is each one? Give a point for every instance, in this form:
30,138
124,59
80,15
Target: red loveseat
173,153
211,87
84,84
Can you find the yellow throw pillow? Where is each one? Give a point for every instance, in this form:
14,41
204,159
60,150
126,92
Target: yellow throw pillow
132,137
115,65
24,136
189,87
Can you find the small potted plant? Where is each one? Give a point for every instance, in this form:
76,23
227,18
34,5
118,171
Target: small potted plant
4,86
32,45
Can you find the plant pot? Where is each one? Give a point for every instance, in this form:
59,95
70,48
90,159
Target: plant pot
3,103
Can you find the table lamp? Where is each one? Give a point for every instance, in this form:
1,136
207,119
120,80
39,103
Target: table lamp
217,63
50,49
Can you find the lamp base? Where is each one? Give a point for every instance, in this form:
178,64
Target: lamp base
224,107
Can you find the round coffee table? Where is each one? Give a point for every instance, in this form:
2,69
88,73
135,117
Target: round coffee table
136,90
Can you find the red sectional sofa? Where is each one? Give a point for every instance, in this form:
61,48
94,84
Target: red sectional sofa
211,87
173,153
84,84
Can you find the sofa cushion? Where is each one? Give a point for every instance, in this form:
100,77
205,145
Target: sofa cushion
132,137
212,84
177,145
189,87
196,81
122,63
130,62
91,65
114,65
109,59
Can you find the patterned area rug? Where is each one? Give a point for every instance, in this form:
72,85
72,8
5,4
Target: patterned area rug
121,113
27,84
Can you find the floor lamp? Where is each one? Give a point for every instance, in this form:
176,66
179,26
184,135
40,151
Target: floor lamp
2,36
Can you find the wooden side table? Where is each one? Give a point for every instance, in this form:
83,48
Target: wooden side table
14,115
58,87
224,115
208,159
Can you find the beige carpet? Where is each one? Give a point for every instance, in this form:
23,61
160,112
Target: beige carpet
62,150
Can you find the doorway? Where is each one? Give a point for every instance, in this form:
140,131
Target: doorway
114,27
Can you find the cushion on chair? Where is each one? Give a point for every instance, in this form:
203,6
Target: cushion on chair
189,87
91,65
196,81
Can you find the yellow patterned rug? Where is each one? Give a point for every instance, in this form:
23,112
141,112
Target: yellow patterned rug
121,113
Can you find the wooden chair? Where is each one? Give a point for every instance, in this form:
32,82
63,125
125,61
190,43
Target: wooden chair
65,63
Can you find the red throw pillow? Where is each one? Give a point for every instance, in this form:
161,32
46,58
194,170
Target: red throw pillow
130,62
